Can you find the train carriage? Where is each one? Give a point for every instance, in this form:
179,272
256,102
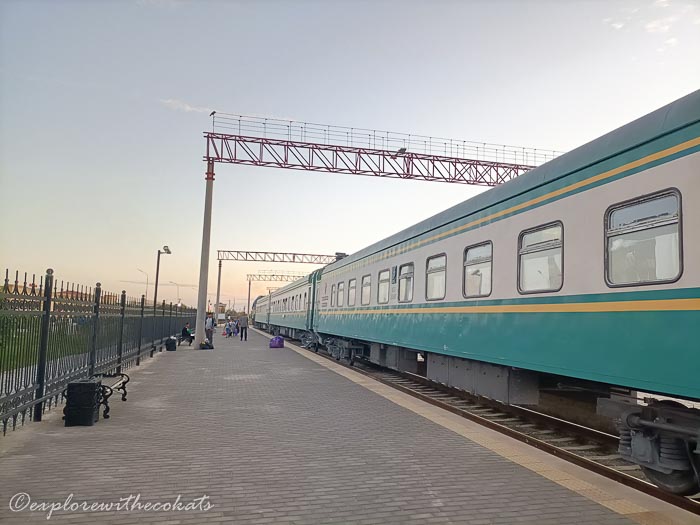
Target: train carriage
286,310
585,270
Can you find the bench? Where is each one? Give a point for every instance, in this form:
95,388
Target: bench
108,390
83,409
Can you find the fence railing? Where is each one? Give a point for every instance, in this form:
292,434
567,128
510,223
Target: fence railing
52,333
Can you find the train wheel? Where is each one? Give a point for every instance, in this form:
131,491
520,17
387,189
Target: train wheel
681,482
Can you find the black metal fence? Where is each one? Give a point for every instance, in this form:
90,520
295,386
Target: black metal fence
51,334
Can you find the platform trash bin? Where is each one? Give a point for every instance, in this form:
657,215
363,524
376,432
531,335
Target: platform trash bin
171,344
83,403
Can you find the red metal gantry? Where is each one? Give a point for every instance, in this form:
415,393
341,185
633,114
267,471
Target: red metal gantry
283,257
237,139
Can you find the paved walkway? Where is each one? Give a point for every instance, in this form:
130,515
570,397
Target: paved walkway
276,436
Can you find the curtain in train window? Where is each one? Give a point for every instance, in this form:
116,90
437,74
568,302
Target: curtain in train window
341,294
643,241
333,295
352,285
383,287
541,254
366,289
436,270
406,283
477,270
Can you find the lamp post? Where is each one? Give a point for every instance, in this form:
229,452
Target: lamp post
146,295
166,250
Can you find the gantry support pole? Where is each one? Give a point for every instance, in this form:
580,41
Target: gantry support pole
199,335
218,297
248,310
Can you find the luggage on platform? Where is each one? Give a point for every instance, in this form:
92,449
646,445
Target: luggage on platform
277,342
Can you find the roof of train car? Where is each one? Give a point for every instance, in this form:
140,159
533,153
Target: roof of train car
293,284
667,119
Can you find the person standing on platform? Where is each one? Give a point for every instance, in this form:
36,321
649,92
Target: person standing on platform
243,325
209,328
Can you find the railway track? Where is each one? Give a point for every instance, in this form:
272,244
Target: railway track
586,447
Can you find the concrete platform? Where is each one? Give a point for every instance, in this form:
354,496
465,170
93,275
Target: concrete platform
248,435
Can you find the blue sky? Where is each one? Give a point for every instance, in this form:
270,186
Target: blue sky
103,104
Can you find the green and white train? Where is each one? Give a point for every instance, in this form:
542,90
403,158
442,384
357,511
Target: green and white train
583,271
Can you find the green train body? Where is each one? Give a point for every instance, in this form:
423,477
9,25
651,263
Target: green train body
586,268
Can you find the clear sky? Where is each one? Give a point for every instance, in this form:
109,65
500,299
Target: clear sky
103,104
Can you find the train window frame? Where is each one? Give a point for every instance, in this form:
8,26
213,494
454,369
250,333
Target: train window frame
362,287
427,263
380,282
412,275
631,202
332,295
520,254
352,285
464,273
340,299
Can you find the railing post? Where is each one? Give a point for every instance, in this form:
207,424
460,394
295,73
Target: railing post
170,321
138,350
120,348
95,328
43,345
162,325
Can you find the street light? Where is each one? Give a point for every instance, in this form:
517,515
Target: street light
166,250
178,291
140,270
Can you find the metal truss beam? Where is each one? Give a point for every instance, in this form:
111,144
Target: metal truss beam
283,257
329,158
273,277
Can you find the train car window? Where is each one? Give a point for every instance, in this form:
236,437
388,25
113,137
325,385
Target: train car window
540,259
643,240
478,264
406,283
333,295
352,286
366,292
383,287
305,303
435,276
341,294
